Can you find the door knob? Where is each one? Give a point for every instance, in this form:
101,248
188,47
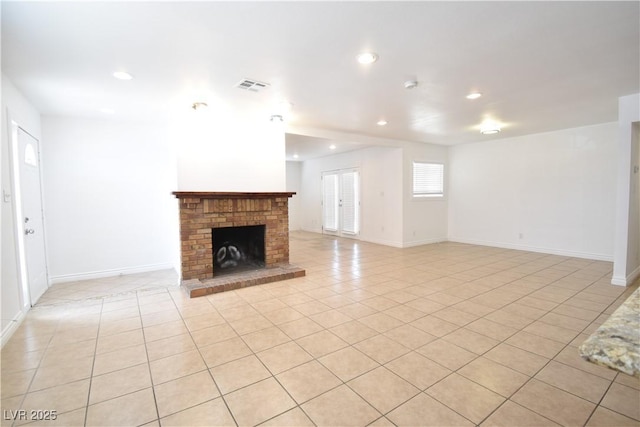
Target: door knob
29,231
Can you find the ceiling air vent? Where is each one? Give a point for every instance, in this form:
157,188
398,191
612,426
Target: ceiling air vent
252,85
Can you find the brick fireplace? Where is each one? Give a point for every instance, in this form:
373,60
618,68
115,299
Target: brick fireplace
202,212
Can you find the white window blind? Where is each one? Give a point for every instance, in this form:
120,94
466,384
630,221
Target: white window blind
428,179
350,204
330,202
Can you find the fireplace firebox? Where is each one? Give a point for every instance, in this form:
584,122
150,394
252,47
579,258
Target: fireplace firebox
237,249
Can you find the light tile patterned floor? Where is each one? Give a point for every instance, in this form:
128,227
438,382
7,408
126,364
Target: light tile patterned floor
443,334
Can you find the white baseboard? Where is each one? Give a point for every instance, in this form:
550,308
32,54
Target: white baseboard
520,247
63,278
619,280
413,243
633,276
384,242
12,327
628,280
562,252
362,238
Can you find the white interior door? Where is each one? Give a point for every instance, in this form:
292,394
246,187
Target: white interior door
341,202
31,214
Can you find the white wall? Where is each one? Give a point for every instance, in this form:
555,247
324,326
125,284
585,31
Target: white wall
627,239
294,184
233,153
107,191
425,219
551,192
633,245
21,111
382,210
381,192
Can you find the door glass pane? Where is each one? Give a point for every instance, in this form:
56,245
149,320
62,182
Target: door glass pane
330,202
350,203
30,157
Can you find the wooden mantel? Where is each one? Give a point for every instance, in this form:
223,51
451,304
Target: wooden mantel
229,195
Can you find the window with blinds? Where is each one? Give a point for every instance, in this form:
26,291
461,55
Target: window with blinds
428,179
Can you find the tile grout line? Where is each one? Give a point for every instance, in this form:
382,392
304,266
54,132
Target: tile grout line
146,352
93,364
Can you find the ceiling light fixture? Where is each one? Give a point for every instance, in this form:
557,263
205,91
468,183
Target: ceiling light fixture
367,58
295,156
382,122
199,105
122,75
277,118
489,128
410,84
474,95
332,147
107,111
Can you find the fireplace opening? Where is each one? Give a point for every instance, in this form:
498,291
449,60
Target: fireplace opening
238,248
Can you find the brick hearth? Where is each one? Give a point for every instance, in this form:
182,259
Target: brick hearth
201,212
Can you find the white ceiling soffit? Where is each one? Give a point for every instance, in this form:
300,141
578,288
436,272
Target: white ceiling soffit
311,147
540,66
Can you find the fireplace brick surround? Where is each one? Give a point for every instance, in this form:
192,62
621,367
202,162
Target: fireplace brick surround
201,212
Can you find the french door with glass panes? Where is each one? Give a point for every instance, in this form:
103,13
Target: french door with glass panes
341,202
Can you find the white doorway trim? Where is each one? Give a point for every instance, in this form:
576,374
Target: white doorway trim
18,214
341,202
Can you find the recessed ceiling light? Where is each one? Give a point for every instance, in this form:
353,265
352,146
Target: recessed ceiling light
411,84
489,128
122,75
382,122
474,95
107,111
490,131
367,58
295,156
332,147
